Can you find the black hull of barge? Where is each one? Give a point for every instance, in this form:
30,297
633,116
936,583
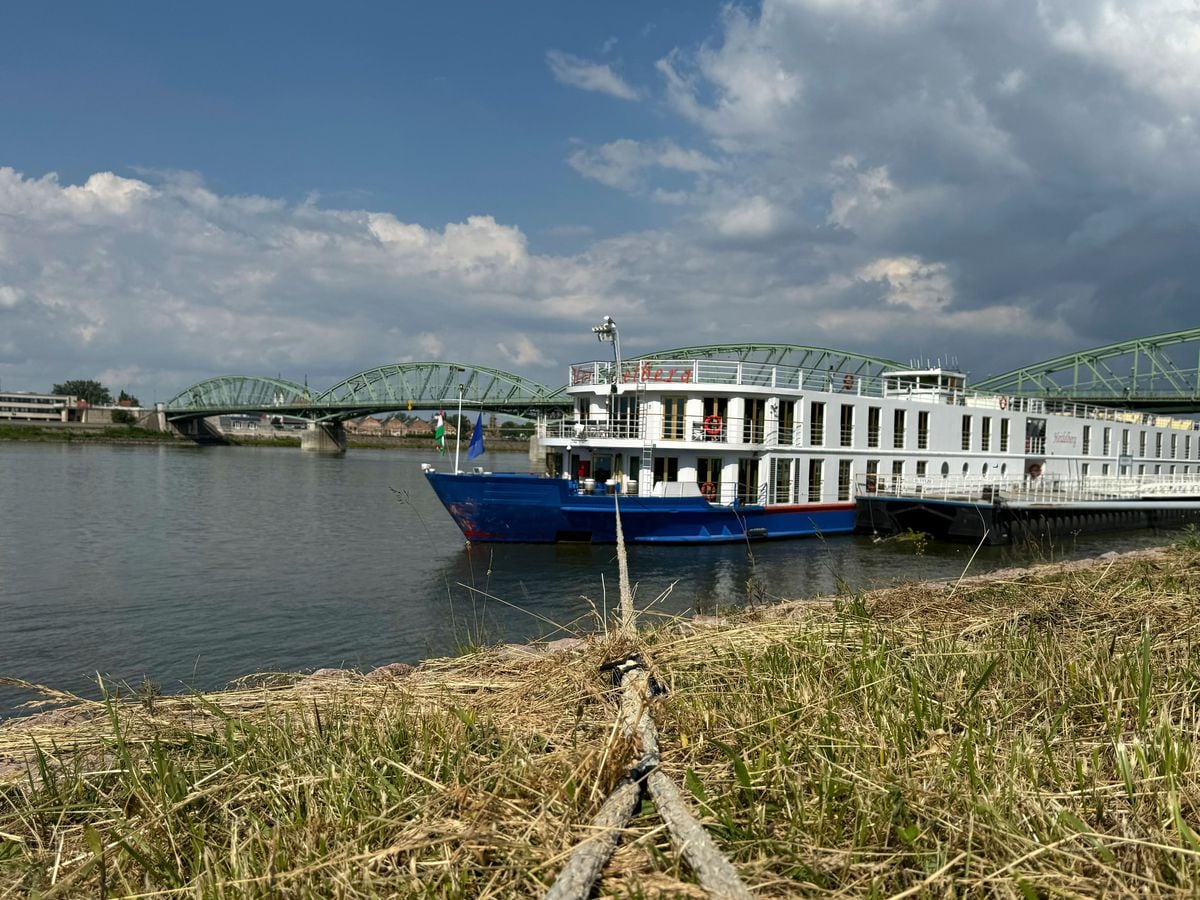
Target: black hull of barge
999,524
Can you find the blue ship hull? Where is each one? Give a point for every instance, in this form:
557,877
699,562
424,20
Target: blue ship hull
533,509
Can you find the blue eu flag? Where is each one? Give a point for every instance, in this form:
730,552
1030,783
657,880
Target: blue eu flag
476,446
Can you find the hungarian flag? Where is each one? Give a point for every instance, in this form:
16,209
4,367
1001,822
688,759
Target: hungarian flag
439,432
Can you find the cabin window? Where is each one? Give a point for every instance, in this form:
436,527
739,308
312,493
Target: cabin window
712,427
1004,435
624,415
1157,469
1003,468
666,468
872,426
897,468
984,470
1158,446
966,432
1124,441
1187,446
752,423
1142,469
922,431
1085,469
1035,435
708,471
1172,470
1104,469
922,468
945,469
1107,442
816,424
985,434
748,481
673,418
1087,440
816,469
898,429
1174,446
787,422
846,432
843,479
781,480
1141,443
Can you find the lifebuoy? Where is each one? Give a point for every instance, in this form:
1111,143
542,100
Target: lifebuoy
1034,470
712,425
1004,403
848,383
708,491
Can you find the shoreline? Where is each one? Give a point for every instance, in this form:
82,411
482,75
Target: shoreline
1028,731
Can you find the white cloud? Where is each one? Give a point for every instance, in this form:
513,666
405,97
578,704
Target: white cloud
623,164
589,76
910,283
756,217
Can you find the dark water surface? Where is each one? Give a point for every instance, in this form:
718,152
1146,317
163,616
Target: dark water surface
193,566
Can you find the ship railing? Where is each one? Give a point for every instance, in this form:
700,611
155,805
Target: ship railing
725,372
710,429
1046,489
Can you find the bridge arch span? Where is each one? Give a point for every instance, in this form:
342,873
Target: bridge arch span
236,392
798,355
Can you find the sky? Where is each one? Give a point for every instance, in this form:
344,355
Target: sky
311,190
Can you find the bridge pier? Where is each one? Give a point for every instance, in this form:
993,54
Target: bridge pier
324,437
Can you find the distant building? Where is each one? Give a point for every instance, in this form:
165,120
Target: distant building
23,406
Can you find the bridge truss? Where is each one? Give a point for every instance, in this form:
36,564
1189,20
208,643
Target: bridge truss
1160,372
798,355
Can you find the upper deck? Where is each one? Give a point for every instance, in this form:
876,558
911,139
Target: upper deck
929,385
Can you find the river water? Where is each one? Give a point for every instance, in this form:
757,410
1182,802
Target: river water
194,566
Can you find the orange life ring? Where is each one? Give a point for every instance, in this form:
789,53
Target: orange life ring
1034,470
848,382
708,491
712,425
1004,403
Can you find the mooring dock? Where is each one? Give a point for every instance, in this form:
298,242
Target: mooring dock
998,510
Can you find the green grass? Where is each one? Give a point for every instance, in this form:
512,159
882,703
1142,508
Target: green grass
1027,737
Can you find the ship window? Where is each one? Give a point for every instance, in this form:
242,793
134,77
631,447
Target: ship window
673,418
985,434
708,471
748,488
666,468
718,407
1124,441
1174,446
873,426
752,424
945,469
816,468
1004,435
1142,469
922,468
966,432
1003,468
843,479
1158,445
1107,441
1141,443
787,422
1087,439
1104,469
922,431
898,429
1085,469
985,468
1187,446
897,468
816,424
846,433
966,468
872,467
781,480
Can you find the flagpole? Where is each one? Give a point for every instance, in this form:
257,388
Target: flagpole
458,427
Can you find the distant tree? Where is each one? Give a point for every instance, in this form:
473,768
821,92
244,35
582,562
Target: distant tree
93,392
128,399
123,417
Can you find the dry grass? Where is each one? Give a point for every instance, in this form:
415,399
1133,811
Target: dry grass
1030,735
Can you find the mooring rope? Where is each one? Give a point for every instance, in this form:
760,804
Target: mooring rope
713,870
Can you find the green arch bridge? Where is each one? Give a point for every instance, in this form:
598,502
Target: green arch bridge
1155,373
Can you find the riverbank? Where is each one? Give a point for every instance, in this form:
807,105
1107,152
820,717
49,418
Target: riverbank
1028,733
131,434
